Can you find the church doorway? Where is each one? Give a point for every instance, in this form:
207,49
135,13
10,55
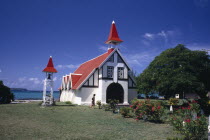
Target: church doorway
115,91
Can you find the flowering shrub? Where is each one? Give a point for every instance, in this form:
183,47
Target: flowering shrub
187,123
148,110
194,106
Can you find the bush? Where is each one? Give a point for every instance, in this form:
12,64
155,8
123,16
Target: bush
99,104
186,122
68,102
106,107
147,110
204,104
173,101
126,112
113,104
5,94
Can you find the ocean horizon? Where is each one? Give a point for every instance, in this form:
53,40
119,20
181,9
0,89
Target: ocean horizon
32,95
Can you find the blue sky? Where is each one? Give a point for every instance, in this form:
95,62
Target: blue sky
74,31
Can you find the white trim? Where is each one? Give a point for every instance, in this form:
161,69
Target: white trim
110,56
123,59
107,58
75,74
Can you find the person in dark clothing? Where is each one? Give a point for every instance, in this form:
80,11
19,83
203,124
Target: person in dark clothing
93,100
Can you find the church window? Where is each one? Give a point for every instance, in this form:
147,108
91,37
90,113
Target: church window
120,72
110,70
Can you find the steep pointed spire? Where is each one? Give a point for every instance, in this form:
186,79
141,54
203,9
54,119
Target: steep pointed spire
50,66
113,35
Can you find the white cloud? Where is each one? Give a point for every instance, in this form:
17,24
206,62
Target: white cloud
55,79
149,36
35,80
140,59
198,46
163,38
163,34
145,42
71,66
22,79
103,48
0,70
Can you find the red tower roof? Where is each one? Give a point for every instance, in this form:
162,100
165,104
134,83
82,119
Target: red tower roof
113,36
50,66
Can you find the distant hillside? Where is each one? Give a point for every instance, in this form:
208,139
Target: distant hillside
18,89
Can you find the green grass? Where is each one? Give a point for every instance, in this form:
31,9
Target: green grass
30,121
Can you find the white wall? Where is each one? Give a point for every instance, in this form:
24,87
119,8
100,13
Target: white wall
86,95
106,83
66,95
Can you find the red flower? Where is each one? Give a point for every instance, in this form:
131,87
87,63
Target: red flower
188,107
194,101
198,117
131,106
187,120
153,109
158,107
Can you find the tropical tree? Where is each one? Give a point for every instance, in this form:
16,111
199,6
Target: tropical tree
176,71
5,94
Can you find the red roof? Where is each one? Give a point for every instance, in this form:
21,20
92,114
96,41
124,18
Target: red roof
50,66
113,35
75,78
86,68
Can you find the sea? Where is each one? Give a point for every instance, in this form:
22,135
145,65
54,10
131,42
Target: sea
32,95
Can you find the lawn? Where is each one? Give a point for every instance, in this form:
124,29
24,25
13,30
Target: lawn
30,121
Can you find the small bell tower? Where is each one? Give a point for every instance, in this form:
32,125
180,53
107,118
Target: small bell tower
48,83
113,38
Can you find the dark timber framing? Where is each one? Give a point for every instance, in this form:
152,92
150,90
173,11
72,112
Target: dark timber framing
88,82
133,85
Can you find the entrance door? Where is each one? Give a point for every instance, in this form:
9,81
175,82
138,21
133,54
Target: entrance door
115,91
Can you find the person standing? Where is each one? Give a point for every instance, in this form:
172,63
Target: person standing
93,100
